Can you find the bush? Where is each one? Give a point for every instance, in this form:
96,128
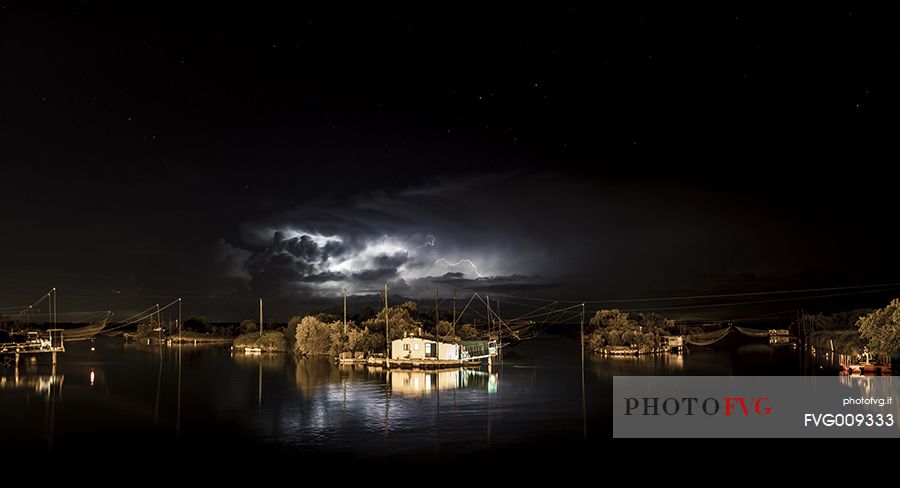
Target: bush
315,337
467,332
271,341
402,320
246,340
290,332
197,324
614,338
248,326
596,341
845,341
364,340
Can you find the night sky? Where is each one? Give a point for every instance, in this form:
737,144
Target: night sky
220,154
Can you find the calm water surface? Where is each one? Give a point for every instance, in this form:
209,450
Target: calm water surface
120,398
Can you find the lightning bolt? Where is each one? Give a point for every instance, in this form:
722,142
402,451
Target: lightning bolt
448,263
428,243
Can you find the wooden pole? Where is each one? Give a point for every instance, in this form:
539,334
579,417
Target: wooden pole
260,317
583,404
453,327
180,346
387,328
159,326
436,316
345,311
487,303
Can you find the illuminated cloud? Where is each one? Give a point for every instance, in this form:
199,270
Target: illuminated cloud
323,247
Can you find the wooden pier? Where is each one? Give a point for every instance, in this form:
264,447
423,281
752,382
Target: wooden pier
421,363
36,345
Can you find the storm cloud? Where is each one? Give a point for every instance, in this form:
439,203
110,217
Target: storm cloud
408,239
540,234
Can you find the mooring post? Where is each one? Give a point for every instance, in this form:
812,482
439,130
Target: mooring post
53,354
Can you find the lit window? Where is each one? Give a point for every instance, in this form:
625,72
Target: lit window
406,347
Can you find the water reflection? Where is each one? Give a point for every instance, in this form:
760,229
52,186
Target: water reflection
312,373
422,383
626,365
43,385
269,361
144,392
873,388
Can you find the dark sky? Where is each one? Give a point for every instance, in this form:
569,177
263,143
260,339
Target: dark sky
221,154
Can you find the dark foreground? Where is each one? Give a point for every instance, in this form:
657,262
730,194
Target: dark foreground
121,404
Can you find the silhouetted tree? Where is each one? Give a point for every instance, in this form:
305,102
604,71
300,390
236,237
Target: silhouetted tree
248,326
197,324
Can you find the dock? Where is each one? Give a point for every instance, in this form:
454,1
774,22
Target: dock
34,344
199,339
421,363
865,369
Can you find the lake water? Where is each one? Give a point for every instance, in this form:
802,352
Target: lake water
117,400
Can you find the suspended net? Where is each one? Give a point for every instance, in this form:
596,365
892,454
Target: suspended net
753,332
707,338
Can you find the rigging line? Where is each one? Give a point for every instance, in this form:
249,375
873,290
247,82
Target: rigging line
478,313
769,316
699,297
559,318
556,312
568,317
86,312
774,300
126,319
552,309
530,312
545,319
551,319
39,300
460,316
748,294
464,309
492,312
154,312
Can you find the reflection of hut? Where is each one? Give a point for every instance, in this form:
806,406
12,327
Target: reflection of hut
420,348
421,382
424,382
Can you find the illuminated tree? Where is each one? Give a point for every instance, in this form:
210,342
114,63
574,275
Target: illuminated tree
315,337
881,329
612,318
